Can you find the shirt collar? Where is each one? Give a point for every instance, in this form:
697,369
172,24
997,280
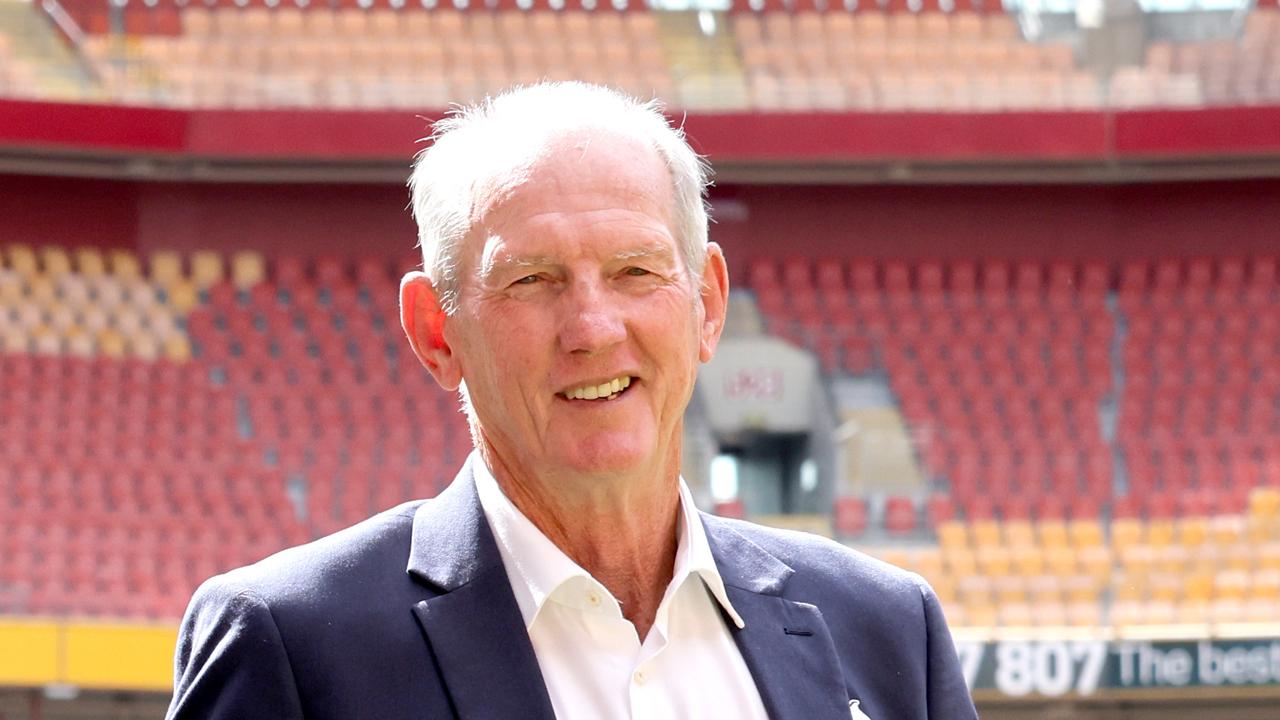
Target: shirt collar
537,568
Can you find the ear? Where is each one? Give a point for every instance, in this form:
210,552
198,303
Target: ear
423,321
715,300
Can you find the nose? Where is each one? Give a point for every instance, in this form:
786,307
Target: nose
591,318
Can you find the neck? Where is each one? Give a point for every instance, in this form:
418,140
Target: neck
622,529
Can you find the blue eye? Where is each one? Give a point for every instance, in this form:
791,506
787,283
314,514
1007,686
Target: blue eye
527,280
637,271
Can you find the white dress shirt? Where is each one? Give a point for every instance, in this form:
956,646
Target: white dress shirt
592,662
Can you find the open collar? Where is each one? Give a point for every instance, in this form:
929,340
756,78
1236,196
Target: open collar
537,567
479,640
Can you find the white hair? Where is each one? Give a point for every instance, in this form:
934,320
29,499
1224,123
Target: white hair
489,140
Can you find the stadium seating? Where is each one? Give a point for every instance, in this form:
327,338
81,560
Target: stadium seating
1224,71
171,415
1000,370
165,419
757,56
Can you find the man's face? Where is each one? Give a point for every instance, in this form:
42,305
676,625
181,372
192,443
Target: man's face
579,329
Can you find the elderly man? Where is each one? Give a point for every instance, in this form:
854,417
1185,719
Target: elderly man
569,295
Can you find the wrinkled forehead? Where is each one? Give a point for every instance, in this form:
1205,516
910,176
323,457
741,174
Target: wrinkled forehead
608,166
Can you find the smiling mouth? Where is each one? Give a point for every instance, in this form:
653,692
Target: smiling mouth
608,390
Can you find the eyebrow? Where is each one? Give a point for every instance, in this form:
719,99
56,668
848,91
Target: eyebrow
647,251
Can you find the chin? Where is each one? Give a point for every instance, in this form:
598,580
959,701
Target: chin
613,452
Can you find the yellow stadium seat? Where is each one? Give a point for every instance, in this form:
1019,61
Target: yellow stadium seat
1086,533
1060,560
42,290
94,318
1266,586
141,295
974,589
1264,502
1165,587
15,340
182,296
11,288
1161,532
1125,532
1236,556
124,265
985,533
1009,589
928,563
1159,612
61,316
1019,533
111,343
1130,588
1172,559
74,290
898,557
46,341
994,561
944,586
166,266
953,534
1016,615
177,348
1045,589
108,292
1049,614
127,320
1261,611
960,562
1261,528
1227,610
160,322
981,615
1231,585
956,615
55,261
22,259
89,262
1027,560
1266,556
1084,614
206,268
1227,529
79,342
1127,612
1095,562
247,269
1193,611
143,345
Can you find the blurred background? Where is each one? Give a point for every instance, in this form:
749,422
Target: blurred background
1006,311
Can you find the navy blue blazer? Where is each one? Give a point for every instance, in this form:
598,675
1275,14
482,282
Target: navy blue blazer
410,615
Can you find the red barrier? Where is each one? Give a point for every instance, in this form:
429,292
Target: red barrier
812,137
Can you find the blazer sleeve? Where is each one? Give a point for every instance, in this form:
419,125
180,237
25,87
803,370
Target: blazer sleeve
230,661
948,695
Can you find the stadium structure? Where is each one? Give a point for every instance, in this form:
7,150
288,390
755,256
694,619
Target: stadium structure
1006,311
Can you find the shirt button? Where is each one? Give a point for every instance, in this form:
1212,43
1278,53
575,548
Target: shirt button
640,677
593,599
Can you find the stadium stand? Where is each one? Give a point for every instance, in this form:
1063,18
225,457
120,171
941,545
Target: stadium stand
165,420
756,56
198,411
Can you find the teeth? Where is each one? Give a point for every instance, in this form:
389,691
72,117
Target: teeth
607,390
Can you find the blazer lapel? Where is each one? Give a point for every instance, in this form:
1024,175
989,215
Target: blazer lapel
473,626
786,644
